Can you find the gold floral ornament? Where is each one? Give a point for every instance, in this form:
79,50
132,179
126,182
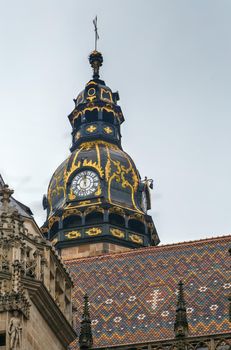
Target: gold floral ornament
73,234
91,128
136,239
94,231
108,130
117,233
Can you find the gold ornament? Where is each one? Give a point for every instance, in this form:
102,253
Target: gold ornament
136,239
108,130
94,231
117,233
91,128
73,234
70,212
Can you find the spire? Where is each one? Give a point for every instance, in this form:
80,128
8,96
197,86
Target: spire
5,193
85,337
181,323
96,61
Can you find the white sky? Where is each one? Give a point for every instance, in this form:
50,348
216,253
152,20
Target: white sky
170,61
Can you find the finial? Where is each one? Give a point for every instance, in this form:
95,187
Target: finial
181,323
85,337
5,193
96,60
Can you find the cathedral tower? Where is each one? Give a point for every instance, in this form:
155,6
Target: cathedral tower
96,201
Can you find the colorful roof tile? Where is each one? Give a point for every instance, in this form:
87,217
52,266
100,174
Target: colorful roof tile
133,295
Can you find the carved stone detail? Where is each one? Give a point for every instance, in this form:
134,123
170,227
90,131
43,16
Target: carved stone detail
15,331
29,268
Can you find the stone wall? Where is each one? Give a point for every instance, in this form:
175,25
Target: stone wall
86,250
37,335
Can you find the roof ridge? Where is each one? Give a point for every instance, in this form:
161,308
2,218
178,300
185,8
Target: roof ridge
146,249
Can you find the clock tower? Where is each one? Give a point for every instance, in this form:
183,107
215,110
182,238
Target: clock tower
96,201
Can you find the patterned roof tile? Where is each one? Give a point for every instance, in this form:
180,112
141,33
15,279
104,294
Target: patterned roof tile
133,294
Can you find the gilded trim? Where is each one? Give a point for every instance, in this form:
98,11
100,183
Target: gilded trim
117,233
94,231
73,234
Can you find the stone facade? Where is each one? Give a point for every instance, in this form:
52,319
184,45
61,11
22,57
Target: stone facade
91,249
35,287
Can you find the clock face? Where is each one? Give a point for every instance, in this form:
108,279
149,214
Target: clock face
85,183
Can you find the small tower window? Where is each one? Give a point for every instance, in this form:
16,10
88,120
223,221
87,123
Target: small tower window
91,116
94,218
2,339
201,346
116,219
136,226
72,221
108,117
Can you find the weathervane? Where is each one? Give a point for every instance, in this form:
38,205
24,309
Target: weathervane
96,32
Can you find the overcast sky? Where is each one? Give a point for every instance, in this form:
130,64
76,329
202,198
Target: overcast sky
170,61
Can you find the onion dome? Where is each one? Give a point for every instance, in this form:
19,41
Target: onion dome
96,194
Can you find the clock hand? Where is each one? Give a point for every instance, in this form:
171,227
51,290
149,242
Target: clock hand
85,180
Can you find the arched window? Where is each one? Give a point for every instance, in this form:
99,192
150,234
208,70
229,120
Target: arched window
116,219
136,226
91,116
202,346
72,221
108,117
94,218
54,229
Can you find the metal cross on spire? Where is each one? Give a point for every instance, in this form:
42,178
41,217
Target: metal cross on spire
96,32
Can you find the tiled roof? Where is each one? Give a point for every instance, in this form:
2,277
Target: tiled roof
133,295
